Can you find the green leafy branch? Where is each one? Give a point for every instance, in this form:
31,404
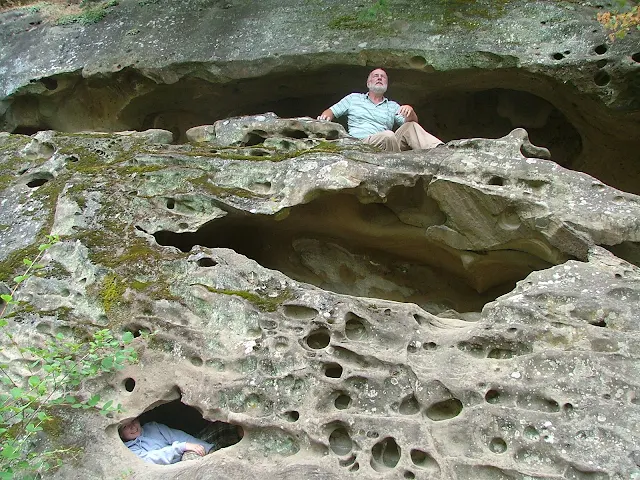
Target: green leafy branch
56,371
32,265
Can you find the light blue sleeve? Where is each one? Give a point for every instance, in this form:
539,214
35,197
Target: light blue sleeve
342,106
178,436
397,118
162,456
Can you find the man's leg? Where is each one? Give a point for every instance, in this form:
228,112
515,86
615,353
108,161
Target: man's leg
386,140
411,136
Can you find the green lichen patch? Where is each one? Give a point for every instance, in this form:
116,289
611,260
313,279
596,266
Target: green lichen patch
113,288
218,191
266,304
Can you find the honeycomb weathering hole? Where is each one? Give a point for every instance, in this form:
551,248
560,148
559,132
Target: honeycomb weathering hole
318,339
444,410
129,384
340,441
333,370
385,454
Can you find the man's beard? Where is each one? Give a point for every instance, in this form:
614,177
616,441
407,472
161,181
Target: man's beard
377,89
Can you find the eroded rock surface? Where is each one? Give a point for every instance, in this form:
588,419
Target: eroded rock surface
470,68
454,313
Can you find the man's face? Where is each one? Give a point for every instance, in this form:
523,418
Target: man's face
131,430
377,81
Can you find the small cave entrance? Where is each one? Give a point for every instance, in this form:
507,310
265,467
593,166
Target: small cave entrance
371,250
177,415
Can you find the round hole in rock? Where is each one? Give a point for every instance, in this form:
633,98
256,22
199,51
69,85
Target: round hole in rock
636,57
183,417
333,370
409,474
413,346
444,410
531,433
385,454
601,78
409,406
292,416
600,49
136,329
318,339
129,384
354,328
342,401
423,459
340,441
499,181
417,61
37,182
429,346
498,445
207,262
355,467
171,203
492,396
557,56
601,63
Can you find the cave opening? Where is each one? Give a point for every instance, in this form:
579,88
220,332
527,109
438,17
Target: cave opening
368,250
180,416
468,103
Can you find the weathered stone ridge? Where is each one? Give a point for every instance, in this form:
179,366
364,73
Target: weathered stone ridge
454,313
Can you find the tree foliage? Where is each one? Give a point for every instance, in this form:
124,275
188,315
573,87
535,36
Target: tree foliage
51,378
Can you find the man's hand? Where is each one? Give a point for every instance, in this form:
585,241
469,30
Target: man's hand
197,448
408,113
327,115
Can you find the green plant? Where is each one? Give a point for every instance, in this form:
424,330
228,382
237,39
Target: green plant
55,373
621,20
366,17
89,15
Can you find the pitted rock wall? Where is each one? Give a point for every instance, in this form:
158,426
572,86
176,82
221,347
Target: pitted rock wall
397,375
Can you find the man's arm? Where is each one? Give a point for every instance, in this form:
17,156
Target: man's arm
326,115
161,456
408,113
338,109
174,435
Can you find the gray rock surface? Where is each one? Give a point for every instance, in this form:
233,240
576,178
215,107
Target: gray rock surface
455,313
471,69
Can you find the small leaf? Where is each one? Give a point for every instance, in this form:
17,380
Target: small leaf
106,407
43,247
27,262
107,363
93,401
6,298
21,278
34,381
127,337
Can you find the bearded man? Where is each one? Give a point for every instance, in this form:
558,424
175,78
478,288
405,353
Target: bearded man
371,117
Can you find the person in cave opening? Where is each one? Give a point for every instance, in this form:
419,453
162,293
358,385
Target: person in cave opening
371,117
162,445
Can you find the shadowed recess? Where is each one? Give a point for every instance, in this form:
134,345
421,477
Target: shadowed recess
456,104
370,250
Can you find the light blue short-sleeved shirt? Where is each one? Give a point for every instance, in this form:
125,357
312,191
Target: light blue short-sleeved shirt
364,117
